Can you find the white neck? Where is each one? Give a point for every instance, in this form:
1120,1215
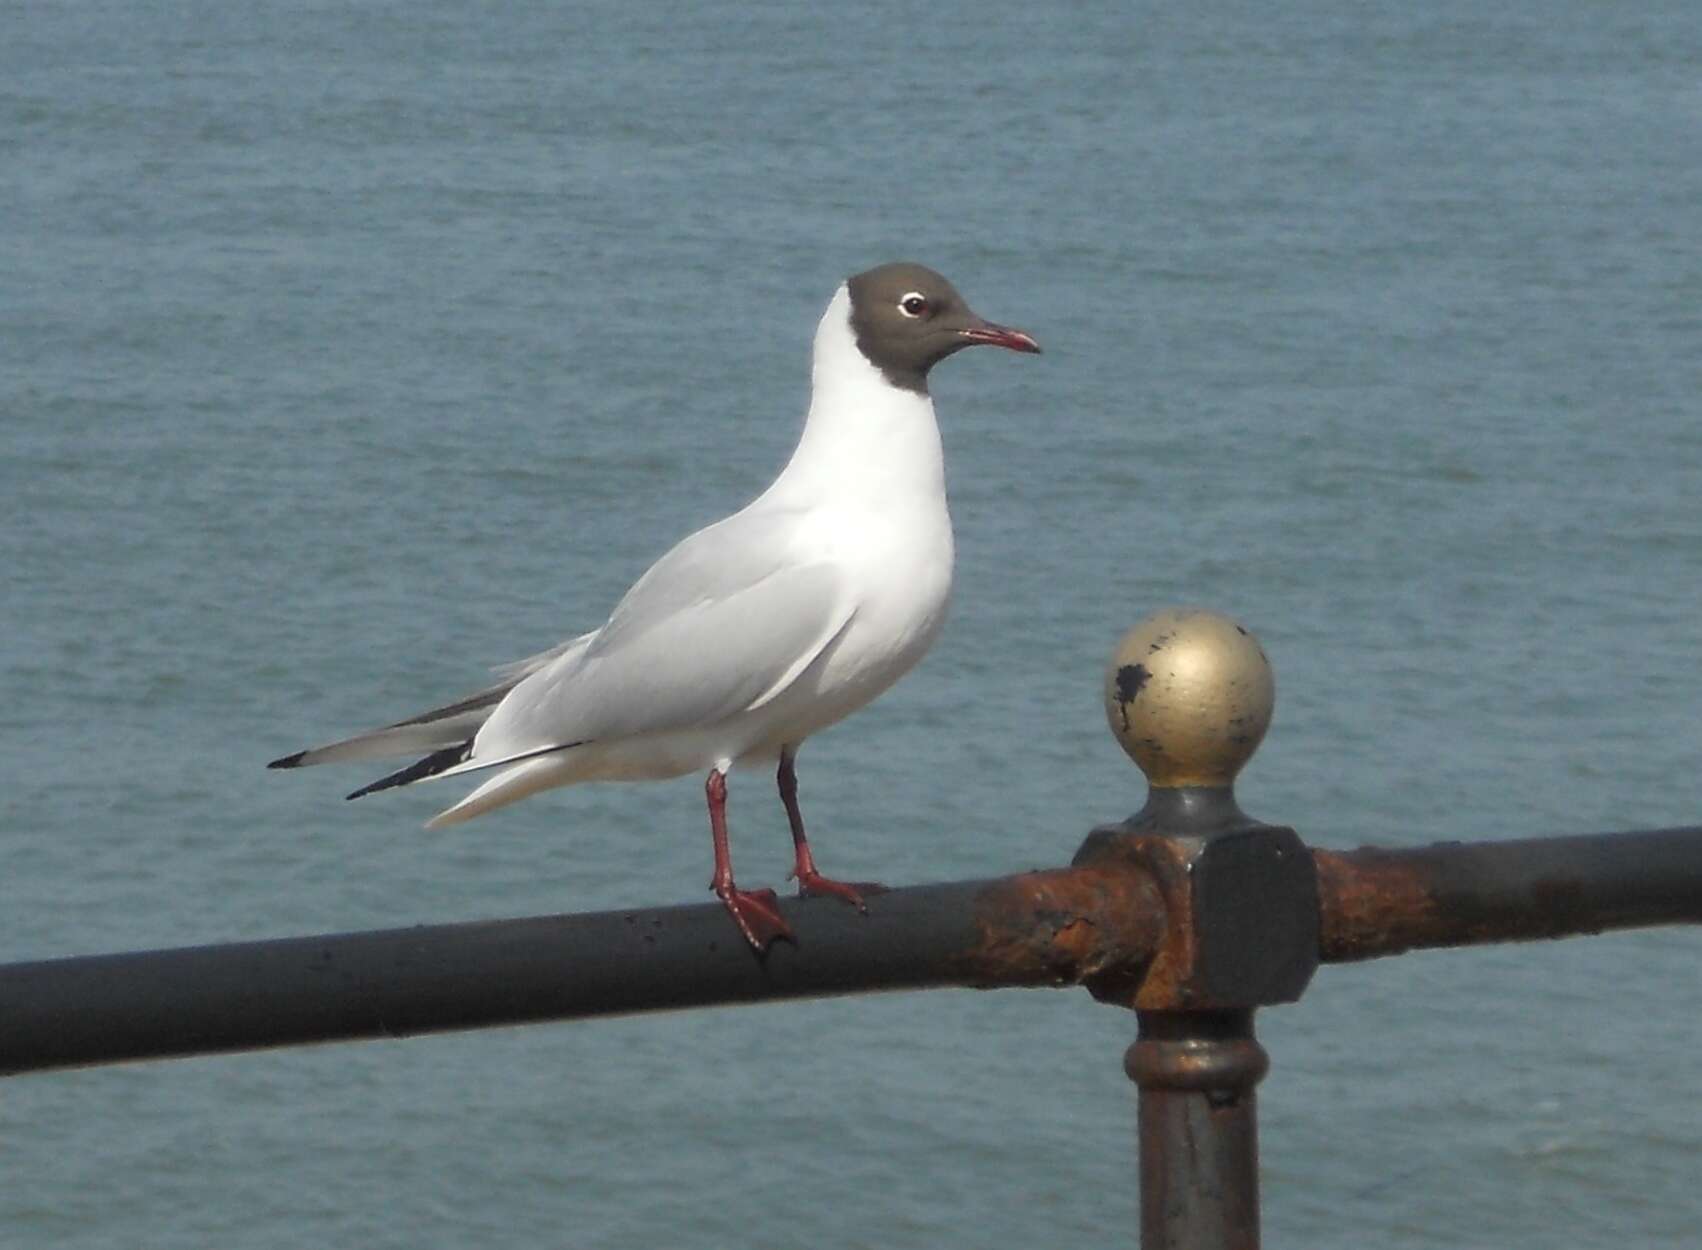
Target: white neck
865,441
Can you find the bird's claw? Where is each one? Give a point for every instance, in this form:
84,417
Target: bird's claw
757,913
814,885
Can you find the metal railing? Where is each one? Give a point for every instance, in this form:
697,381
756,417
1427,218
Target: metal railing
1190,912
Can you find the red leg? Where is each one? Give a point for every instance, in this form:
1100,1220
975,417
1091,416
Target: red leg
756,912
809,880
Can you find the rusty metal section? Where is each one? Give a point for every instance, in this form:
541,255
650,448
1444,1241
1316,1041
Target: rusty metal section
1373,902
1063,926
1241,905
1376,902
1167,981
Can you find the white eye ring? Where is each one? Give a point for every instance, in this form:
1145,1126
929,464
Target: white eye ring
914,304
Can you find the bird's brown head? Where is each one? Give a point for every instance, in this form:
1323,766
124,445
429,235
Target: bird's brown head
907,319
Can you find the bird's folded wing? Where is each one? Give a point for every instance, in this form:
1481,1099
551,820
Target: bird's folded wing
722,624
513,672
440,727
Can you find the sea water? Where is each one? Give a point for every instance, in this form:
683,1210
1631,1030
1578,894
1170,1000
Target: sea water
346,350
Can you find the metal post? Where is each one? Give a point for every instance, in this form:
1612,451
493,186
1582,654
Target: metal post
1199,1139
1189,695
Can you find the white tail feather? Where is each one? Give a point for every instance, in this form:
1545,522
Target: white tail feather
513,783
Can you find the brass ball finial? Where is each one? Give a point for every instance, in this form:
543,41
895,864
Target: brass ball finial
1189,694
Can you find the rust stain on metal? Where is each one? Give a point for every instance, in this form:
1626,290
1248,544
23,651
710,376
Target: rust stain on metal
1168,982
1382,902
1061,926
1371,903
1131,919
1163,981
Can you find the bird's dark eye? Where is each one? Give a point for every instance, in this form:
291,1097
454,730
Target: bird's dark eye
913,305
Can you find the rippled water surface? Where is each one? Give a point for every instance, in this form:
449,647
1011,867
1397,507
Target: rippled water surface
345,350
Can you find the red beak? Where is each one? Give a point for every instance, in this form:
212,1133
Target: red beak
1000,336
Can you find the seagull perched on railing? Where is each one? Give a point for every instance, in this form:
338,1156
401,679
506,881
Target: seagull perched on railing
756,631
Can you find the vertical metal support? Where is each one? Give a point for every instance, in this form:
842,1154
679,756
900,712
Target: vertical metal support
1189,695
1199,1138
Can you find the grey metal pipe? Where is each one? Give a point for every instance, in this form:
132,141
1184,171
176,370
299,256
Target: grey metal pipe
1376,902
1047,928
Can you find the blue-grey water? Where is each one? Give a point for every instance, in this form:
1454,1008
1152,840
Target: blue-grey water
348,349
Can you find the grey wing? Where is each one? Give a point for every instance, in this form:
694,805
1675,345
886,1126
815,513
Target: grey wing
512,673
445,726
720,625
711,566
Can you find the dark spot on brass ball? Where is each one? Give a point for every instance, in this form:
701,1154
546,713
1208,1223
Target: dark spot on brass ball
1131,678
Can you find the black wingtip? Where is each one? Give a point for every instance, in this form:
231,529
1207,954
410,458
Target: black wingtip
430,766
383,783
288,761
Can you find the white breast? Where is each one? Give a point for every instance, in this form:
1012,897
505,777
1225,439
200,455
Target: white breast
900,569
870,475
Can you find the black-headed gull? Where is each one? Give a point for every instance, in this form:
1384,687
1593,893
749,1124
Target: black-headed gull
756,631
